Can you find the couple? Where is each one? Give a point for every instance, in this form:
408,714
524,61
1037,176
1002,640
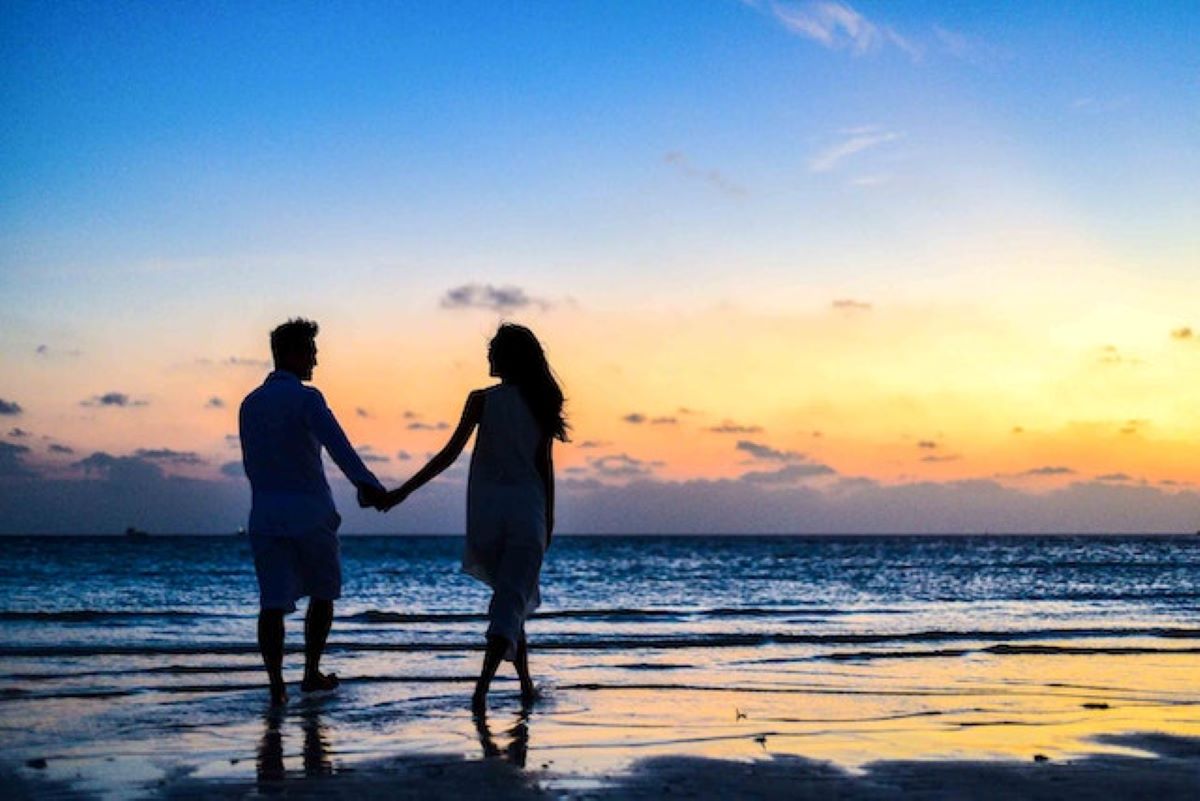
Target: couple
293,522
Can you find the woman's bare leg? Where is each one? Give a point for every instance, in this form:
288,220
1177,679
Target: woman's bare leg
496,646
521,662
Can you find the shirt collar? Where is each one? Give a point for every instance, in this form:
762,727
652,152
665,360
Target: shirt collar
283,375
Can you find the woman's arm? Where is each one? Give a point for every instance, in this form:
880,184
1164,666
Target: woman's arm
545,467
472,412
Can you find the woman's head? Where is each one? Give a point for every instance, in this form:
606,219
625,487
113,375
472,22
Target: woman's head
516,357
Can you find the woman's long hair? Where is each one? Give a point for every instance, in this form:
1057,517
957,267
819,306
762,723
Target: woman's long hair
517,357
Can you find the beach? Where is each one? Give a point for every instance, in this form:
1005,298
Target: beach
1089,690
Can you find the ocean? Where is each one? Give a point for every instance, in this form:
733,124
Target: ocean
150,643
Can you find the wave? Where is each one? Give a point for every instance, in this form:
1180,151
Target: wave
618,614
1002,643
96,615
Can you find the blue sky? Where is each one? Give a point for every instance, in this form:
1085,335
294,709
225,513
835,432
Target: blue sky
976,217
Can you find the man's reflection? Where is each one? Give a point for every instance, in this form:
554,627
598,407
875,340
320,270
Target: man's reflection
518,747
315,755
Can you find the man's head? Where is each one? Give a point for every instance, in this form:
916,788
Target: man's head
294,347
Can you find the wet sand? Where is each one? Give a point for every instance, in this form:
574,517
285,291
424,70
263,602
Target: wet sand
640,726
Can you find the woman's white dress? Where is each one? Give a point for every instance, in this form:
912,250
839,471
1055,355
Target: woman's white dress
506,511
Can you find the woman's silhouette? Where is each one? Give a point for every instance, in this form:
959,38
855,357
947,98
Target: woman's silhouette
510,492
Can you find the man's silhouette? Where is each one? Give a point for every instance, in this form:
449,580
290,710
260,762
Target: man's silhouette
293,522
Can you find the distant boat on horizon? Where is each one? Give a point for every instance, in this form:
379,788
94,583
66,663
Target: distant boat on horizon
135,533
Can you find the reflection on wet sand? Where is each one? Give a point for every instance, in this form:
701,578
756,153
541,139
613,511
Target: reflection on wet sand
315,753
517,749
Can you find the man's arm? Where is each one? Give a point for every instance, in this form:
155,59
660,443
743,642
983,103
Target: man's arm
329,433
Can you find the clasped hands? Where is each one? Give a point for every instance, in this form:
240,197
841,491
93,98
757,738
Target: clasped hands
380,499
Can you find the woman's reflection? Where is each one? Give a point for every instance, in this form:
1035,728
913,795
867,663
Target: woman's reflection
518,747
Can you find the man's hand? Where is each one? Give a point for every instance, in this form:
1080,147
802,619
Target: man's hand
374,497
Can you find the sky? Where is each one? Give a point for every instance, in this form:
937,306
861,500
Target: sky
801,266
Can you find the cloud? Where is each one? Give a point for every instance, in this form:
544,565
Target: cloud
788,474
851,305
18,433
1183,334
853,141
713,178
621,465
664,421
10,408
837,26
12,461
1133,426
233,440
1049,470
56,448
937,459
419,426
403,456
927,444
500,299
593,443
168,455
760,451
214,403
636,418
368,454
46,352
730,427
361,412
117,399
131,469
1115,477
233,470
1111,355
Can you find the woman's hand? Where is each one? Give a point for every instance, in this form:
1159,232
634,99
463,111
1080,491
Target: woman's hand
393,499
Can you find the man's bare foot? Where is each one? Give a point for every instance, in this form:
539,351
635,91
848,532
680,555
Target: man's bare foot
279,696
479,702
319,683
529,695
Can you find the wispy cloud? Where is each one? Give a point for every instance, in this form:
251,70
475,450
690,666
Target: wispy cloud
714,178
730,427
1183,334
65,449
214,403
369,454
1048,470
761,451
836,26
788,474
851,305
500,299
441,425
622,465
10,408
853,141
18,433
168,455
115,399
635,418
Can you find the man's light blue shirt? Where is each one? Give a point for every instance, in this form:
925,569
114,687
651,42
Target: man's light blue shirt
283,426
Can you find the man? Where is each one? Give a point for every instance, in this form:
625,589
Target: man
293,522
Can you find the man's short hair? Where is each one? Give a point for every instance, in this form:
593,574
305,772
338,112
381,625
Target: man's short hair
291,336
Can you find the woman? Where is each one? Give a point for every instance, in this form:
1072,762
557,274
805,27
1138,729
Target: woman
510,493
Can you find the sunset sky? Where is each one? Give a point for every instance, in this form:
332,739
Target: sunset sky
904,266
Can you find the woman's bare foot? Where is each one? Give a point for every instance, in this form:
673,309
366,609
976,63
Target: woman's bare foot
319,683
479,701
529,694
279,696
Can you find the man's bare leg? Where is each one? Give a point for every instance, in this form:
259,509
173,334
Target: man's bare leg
316,631
270,644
